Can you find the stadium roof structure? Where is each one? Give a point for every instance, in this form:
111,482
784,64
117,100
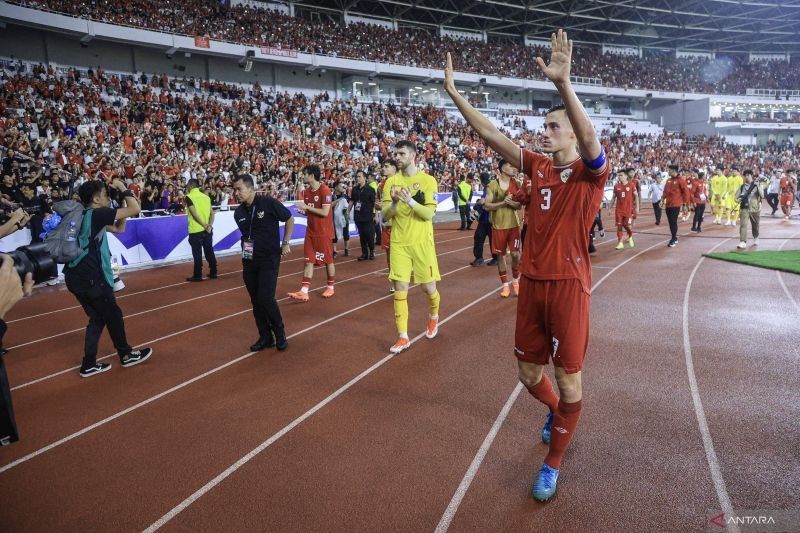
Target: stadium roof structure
740,26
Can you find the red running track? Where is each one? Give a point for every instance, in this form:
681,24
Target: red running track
336,434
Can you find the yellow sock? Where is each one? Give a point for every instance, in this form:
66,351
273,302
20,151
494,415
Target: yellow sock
401,311
433,304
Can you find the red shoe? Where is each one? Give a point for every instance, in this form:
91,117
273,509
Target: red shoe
328,292
299,296
433,327
401,344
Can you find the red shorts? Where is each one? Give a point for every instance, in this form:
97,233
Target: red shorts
622,219
505,238
552,321
318,250
386,237
787,200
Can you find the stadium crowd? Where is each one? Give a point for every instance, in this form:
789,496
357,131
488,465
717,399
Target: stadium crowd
59,128
418,47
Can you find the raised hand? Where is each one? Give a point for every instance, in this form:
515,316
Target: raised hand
560,58
449,83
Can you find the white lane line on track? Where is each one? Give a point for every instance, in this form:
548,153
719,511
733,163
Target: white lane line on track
472,471
144,291
702,422
197,378
296,422
783,284
192,328
146,311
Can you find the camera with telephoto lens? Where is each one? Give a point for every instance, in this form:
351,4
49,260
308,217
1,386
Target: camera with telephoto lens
35,259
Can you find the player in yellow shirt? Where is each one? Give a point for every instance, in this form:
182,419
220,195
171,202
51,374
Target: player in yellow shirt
503,214
719,190
409,201
735,181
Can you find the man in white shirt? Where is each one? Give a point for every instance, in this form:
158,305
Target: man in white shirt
773,190
656,192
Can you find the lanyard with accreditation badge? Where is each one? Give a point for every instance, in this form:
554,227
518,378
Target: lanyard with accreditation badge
247,244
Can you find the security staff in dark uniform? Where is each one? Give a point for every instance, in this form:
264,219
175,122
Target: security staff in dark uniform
258,218
362,203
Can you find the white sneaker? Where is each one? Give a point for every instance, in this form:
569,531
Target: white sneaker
755,241
742,245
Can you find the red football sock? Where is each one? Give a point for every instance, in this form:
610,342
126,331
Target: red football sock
619,235
330,281
629,231
544,392
503,277
306,282
564,423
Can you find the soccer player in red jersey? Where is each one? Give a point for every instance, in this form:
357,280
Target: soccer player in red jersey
626,202
676,196
388,169
318,245
561,197
634,180
699,197
788,187
502,210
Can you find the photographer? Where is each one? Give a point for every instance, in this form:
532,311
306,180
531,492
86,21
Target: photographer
11,291
362,204
749,196
91,279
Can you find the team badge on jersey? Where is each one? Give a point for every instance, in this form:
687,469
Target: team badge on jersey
260,214
416,186
316,198
565,174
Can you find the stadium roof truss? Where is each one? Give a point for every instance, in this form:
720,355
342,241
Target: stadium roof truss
758,26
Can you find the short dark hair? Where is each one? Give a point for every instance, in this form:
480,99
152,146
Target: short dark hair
747,172
390,161
557,107
501,163
192,183
247,179
89,189
405,143
313,170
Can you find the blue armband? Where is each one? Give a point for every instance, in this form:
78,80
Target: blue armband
597,163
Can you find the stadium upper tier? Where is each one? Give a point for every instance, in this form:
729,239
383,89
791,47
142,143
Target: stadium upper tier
417,47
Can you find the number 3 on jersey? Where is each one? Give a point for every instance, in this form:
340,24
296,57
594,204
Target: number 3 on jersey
545,205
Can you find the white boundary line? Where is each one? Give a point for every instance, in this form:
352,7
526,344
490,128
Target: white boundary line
472,471
192,328
144,291
708,444
783,284
113,417
146,311
296,422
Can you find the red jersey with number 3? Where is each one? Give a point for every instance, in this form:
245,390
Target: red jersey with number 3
623,192
561,204
318,226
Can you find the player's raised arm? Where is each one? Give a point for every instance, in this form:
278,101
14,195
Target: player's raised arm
558,72
482,125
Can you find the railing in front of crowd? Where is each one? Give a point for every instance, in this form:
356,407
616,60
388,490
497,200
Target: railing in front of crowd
775,93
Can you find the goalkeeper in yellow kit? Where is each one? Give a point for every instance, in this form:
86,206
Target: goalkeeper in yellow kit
409,201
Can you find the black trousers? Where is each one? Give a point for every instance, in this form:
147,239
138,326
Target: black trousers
101,307
366,234
377,230
772,200
463,212
657,212
597,224
202,243
261,277
672,218
482,232
699,209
